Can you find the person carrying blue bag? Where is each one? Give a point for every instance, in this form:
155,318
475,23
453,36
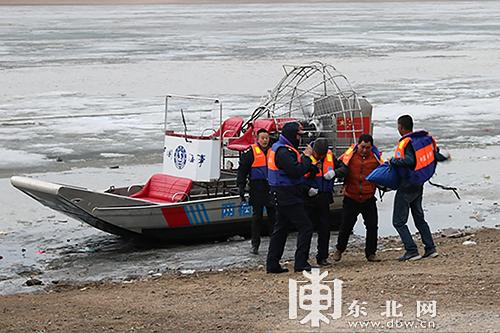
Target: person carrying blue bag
415,160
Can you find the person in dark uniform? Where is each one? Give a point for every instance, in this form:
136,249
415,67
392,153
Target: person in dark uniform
415,159
287,167
320,194
253,165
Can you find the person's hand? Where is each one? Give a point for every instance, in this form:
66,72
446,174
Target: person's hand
383,188
308,151
312,192
329,175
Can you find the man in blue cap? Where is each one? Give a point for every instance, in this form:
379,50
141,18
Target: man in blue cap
287,168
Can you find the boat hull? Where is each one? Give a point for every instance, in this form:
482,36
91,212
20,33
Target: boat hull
203,219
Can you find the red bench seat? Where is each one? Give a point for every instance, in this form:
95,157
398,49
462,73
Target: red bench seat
163,188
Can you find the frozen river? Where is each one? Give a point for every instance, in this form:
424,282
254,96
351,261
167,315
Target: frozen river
86,83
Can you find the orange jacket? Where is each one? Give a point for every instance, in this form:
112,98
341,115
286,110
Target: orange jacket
355,185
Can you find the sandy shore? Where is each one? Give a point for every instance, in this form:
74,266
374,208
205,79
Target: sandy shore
464,281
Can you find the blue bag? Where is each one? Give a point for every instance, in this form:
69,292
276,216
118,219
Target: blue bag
385,175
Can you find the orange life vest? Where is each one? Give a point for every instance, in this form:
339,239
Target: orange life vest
347,155
258,170
425,148
318,181
276,176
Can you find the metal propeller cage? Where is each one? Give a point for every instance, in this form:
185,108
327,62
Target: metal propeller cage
322,99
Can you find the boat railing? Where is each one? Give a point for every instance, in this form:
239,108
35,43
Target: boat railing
149,205
188,150
184,195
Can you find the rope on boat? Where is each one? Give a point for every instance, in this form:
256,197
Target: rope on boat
185,126
382,191
448,188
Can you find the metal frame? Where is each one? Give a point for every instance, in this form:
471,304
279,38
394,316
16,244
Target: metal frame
313,82
198,98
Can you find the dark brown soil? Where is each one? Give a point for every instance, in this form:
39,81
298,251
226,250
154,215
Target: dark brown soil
463,280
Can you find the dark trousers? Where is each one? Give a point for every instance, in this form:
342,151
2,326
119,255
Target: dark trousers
318,210
368,210
287,216
258,222
403,203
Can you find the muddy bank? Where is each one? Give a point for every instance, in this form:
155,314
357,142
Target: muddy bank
464,281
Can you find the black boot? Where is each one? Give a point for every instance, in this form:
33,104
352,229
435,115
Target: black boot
277,270
323,262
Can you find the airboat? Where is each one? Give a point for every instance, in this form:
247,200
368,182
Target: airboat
195,196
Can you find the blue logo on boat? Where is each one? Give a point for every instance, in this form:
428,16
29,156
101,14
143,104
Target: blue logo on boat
245,209
227,209
180,157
